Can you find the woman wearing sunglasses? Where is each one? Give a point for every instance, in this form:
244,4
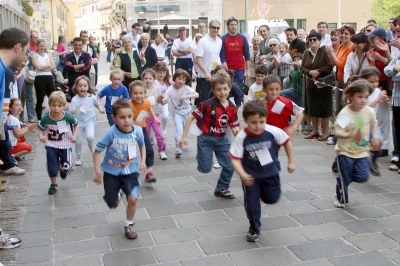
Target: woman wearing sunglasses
270,58
318,100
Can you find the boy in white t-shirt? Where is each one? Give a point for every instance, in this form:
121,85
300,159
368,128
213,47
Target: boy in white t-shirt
256,91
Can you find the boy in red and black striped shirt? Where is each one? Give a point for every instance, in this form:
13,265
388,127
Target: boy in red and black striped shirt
212,120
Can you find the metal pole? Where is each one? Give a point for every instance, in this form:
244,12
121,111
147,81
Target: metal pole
340,17
190,21
158,15
246,15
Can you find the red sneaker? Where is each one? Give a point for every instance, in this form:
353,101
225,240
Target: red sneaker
150,177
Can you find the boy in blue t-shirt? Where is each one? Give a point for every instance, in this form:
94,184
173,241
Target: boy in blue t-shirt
121,163
113,92
254,154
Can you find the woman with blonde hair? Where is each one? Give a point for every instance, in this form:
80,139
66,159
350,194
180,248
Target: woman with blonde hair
160,44
148,51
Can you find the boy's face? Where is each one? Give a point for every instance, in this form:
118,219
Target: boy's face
138,94
272,91
255,124
259,78
56,108
359,100
180,81
123,119
221,91
116,80
296,59
282,49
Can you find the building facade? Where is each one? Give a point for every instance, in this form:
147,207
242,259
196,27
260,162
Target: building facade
11,15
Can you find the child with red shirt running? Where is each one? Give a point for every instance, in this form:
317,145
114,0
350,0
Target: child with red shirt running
279,107
212,120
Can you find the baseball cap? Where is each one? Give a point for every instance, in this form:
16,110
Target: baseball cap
377,32
182,28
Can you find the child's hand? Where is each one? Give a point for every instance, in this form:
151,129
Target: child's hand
143,167
31,126
42,139
158,121
73,139
73,111
375,144
291,167
290,131
97,178
349,133
102,111
247,180
235,130
182,142
383,97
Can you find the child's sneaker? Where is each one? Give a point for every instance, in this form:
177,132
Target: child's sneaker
252,235
7,242
394,167
150,177
374,169
66,170
52,189
216,165
337,203
178,153
223,193
335,168
152,141
78,161
395,159
129,232
163,156
14,171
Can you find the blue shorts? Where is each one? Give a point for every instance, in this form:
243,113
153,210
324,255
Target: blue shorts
129,184
57,158
380,136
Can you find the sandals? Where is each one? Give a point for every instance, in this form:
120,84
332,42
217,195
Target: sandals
312,136
322,138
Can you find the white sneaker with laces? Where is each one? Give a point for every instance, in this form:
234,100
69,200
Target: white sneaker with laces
395,159
14,171
78,161
393,167
216,165
337,203
7,242
163,156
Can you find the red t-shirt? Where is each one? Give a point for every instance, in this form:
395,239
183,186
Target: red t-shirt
32,47
234,52
380,66
281,120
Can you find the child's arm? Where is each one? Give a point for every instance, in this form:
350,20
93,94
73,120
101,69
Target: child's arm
193,96
247,179
290,155
101,109
97,169
19,132
76,129
154,115
42,137
375,140
188,122
291,130
143,167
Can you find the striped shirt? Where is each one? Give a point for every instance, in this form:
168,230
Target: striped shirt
54,138
390,72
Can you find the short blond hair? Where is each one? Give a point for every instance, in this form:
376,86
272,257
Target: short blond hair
57,96
117,72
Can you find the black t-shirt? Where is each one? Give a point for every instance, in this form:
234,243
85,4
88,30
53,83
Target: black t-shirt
297,46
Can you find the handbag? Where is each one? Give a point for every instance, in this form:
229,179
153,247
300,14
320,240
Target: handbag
30,76
328,80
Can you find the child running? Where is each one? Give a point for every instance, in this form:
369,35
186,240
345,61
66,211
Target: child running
352,127
58,129
153,94
254,154
16,131
256,91
120,165
212,120
180,94
280,108
141,108
163,81
82,106
113,92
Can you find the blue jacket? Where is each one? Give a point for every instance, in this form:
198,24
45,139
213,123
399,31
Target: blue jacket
70,61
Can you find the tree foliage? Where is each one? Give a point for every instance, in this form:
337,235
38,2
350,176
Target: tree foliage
382,10
28,9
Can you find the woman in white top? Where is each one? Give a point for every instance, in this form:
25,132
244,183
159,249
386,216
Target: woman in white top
357,59
160,45
44,83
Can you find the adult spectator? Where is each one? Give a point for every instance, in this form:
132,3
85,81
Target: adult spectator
357,59
134,34
130,61
254,54
264,32
86,47
396,40
202,29
148,51
318,101
197,38
391,32
372,21
235,52
207,58
335,39
44,83
146,29
295,45
323,29
301,35
19,79
97,50
109,50
32,41
160,44
61,52
13,48
77,63
339,60
169,47
182,49
369,28
270,58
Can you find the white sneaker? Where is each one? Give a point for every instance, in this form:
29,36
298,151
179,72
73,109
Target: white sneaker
14,171
163,156
7,242
393,167
152,141
216,165
78,161
178,153
330,141
337,203
395,159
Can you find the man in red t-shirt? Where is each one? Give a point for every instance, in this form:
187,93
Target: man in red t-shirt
235,51
32,41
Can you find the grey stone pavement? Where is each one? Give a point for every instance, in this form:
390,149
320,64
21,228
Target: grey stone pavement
180,222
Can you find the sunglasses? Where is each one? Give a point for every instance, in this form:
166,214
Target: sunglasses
313,39
368,30
272,45
214,28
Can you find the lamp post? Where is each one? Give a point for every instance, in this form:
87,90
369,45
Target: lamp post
158,15
340,17
190,20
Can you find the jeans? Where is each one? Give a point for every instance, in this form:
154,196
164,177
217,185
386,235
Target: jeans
149,149
396,130
5,147
185,64
179,121
152,124
396,148
89,130
110,120
27,97
238,78
204,89
293,95
109,56
163,109
206,145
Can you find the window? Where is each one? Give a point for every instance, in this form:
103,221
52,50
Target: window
332,26
353,24
301,23
290,21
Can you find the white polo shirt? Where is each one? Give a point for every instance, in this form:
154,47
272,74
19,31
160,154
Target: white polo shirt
179,45
208,49
160,49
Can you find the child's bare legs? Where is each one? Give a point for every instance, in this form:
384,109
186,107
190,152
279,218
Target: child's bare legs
131,209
